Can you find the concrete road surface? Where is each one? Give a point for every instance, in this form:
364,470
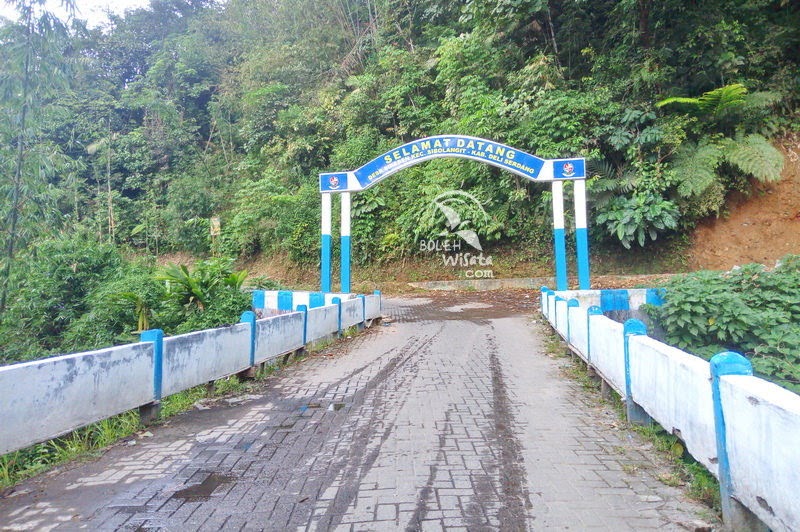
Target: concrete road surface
451,415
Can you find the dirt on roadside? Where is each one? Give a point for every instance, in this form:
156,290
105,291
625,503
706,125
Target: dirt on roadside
762,227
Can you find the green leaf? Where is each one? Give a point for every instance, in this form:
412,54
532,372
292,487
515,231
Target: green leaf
695,167
754,155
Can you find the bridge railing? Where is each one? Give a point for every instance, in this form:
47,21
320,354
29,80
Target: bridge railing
44,399
743,429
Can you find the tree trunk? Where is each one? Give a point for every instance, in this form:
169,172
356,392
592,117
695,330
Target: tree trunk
644,23
17,193
552,34
111,231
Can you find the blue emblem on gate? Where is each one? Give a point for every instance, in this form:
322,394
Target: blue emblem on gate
569,169
329,182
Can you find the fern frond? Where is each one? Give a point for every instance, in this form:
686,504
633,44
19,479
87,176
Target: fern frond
695,167
627,179
754,155
720,100
762,99
714,102
600,168
681,100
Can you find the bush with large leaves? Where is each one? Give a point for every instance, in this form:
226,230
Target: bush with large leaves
725,144
634,219
751,309
208,295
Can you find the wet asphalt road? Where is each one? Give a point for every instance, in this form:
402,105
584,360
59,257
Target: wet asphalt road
450,415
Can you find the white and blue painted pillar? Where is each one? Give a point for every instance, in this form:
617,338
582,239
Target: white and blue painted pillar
345,243
559,240
735,515
325,249
581,234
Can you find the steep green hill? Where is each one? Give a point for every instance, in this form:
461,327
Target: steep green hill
139,133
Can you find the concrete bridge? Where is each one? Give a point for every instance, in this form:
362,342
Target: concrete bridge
451,415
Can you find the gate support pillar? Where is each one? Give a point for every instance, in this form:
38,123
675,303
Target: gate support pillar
345,243
559,240
581,234
325,249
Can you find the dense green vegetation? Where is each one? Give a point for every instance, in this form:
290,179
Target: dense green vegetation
134,135
750,310
73,294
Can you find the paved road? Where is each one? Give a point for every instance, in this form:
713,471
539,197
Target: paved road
449,416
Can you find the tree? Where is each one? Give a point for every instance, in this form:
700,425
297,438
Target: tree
35,69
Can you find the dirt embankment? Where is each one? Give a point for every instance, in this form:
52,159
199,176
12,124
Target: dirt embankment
760,228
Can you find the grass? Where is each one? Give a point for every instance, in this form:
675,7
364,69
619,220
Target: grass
33,460
86,442
685,470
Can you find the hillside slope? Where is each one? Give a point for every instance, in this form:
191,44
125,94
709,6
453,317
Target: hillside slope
760,228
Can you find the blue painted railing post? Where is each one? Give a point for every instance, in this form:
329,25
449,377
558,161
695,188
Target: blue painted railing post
611,300
259,299
572,303
304,310
363,323
316,299
735,514
285,300
636,413
594,310
655,296
550,317
150,412
380,300
250,317
338,302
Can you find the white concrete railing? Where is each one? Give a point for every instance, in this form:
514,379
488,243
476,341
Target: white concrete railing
43,399
743,429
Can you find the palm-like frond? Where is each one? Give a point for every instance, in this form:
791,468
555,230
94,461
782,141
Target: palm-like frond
695,167
719,100
712,103
754,155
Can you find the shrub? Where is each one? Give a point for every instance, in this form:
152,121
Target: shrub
50,291
209,295
750,309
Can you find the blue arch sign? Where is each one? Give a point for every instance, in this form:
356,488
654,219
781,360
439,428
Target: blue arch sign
477,149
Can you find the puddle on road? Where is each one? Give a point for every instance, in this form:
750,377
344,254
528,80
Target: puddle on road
467,306
478,307
331,407
309,406
202,492
244,445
